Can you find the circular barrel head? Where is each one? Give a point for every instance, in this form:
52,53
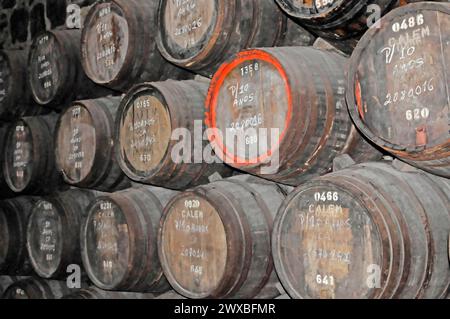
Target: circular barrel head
193,246
14,213
327,245
47,63
106,42
76,144
398,81
106,244
249,100
145,131
45,238
187,29
18,164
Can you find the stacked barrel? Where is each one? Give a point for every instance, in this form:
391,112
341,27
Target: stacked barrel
218,149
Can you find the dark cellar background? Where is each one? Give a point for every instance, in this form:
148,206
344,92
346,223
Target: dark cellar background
21,20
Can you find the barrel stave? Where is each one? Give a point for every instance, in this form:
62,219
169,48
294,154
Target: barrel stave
90,162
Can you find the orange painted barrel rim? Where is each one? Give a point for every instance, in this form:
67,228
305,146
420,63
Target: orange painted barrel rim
213,94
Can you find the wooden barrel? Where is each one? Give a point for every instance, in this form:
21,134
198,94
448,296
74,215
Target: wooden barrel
149,116
119,240
370,231
281,113
336,19
201,35
53,232
398,85
96,293
85,145
118,45
214,240
56,77
5,191
14,213
29,157
6,281
34,288
16,100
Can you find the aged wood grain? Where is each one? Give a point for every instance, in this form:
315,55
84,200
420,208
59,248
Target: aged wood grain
201,34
